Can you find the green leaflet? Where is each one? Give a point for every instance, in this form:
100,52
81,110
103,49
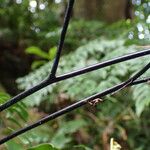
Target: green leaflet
43,147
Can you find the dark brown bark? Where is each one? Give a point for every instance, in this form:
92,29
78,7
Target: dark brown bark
107,10
129,14
87,9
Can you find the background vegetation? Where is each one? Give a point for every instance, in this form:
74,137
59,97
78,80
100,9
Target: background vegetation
99,30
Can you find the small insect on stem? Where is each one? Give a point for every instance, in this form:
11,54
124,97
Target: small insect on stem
94,102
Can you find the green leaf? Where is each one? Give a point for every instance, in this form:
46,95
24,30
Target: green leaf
37,64
60,140
72,126
14,121
37,51
20,112
11,145
4,97
82,147
141,96
52,52
43,147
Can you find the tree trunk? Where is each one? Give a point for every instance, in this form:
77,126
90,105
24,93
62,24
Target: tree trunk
106,10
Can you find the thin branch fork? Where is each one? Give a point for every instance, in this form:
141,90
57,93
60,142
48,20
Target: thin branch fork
52,76
53,79
82,71
131,81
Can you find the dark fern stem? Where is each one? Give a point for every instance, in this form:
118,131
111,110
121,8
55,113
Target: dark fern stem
52,78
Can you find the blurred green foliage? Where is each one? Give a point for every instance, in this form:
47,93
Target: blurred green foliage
123,116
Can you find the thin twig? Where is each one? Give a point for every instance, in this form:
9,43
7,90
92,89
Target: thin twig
78,104
62,38
82,71
53,79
